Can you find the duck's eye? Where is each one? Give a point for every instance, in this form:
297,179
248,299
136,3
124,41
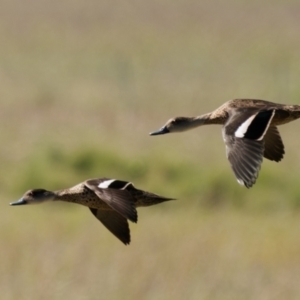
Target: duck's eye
30,194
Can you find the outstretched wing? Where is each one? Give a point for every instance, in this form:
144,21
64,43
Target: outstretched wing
243,135
245,157
119,199
114,222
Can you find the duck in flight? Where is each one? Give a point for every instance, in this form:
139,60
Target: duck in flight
111,201
249,132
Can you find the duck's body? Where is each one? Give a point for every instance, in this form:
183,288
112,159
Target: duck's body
111,201
283,113
249,132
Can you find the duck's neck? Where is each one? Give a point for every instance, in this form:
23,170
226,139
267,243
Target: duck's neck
63,195
202,120
69,195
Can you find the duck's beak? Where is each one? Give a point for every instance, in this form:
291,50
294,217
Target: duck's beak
19,202
162,130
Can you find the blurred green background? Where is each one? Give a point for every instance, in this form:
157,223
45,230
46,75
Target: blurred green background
82,83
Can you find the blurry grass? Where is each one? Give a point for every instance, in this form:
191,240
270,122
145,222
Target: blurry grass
82,84
230,256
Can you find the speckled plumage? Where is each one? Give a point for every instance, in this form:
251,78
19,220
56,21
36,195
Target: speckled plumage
112,203
81,194
249,132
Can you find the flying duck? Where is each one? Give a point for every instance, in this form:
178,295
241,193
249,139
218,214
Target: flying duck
111,201
249,132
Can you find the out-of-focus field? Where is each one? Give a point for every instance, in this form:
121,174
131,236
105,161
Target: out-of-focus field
82,83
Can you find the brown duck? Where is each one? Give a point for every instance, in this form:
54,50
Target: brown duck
111,201
249,132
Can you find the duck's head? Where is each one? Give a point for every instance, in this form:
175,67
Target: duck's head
177,124
35,196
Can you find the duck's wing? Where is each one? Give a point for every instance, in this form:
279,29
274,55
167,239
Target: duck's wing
243,135
245,157
274,148
114,222
114,194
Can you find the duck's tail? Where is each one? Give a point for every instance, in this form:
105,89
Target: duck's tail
147,199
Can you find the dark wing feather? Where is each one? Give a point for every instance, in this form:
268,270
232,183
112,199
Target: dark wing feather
244,134
274,148
245,157
120,200
114,222
259,125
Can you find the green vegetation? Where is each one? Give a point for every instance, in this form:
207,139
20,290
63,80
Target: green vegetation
82,85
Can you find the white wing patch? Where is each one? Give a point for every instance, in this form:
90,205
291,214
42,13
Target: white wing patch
105,184
240,181
242,129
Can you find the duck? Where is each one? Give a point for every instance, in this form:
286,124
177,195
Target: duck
249,132
113,202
